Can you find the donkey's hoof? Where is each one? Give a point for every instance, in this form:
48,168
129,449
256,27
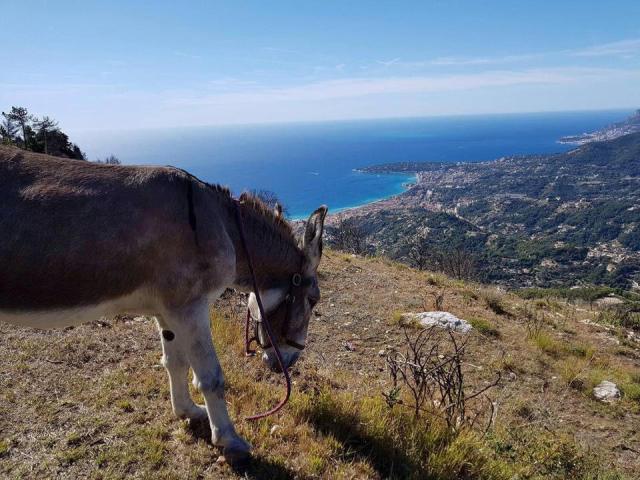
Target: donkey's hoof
237,451
198,413
195,413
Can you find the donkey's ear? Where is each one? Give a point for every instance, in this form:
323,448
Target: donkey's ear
277,210
312,241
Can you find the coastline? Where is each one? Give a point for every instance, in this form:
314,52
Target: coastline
407,182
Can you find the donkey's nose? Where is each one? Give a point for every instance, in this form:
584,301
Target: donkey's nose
288,359
293,358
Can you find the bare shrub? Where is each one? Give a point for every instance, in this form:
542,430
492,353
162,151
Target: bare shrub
438,301
419,253
534,321
109,160
430,369
494,301
271,200
348,236
454,262
458,263
626,315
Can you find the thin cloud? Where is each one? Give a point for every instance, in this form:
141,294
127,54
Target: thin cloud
187,55
458,61
358,87
388,63
623,48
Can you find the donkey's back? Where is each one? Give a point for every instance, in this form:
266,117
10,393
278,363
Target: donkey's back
77,234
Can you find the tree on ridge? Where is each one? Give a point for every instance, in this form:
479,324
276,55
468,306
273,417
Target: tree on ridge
44,126
21,116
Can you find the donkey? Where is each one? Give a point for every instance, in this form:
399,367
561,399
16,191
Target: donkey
81,240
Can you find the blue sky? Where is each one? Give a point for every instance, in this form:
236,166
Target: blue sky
145,64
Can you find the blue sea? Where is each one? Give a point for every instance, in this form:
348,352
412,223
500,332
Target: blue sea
309,164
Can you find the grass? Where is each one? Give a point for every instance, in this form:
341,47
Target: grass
125,405
583,350
4,448
392,442
620,316
396,318
631,391
71,455
574,371
543,455
545,342
585,294
116,421
484,327
494,302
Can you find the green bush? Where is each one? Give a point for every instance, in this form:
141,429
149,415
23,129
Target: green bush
484,327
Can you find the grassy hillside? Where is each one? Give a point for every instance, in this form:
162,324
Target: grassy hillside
93,401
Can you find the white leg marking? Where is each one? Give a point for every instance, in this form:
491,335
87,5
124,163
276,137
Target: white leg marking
193,337
177,365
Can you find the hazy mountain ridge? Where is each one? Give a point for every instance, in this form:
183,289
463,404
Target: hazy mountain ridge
610,132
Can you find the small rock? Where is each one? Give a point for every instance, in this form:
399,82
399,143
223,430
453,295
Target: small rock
274,429
221,460
606,391
440,319
381,352
512,376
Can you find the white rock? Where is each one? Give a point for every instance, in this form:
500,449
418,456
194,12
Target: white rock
439,319
606,391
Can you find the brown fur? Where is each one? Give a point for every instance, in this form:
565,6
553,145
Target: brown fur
77,233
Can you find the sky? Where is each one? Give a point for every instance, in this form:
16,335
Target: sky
133,64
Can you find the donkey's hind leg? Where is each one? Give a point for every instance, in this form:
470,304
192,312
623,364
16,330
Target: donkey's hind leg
192,334
174,359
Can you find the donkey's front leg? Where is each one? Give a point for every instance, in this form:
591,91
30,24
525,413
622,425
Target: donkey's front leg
190,326
175,360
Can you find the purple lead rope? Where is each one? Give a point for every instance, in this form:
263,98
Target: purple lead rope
265,322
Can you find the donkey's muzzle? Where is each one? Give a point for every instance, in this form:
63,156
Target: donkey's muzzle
289,358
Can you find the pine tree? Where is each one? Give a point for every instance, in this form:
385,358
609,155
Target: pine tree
45,126
8,130
21,116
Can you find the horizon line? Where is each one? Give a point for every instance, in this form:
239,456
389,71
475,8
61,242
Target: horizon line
356,119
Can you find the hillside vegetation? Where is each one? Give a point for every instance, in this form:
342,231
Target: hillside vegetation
537,220
93,401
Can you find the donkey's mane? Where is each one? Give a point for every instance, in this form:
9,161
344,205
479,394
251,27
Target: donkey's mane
262,214
260,208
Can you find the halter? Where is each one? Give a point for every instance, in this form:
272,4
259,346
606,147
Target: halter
295,289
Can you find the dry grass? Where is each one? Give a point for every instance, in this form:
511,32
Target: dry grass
92,402
484,327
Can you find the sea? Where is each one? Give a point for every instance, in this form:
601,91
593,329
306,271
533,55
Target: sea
310,164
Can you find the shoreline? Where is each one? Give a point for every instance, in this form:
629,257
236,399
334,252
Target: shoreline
409,182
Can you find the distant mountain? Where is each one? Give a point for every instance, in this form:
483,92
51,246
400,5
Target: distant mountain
537,220
611,132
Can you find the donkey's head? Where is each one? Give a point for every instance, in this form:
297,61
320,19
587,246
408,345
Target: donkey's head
289,307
